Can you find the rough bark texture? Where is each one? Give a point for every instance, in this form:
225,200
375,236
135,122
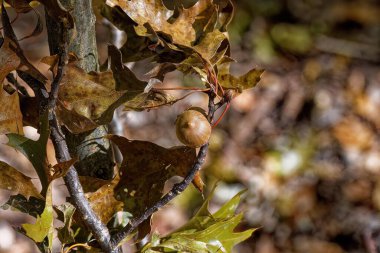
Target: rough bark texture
95,153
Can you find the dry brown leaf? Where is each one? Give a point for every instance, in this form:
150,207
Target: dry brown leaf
159,17
145,169
103,201
10,113
16,182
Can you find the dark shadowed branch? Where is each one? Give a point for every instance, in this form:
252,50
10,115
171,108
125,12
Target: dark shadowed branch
71,179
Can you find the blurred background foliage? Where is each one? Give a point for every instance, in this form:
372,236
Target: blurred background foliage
305,142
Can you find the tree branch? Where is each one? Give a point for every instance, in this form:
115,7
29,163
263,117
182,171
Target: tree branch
174,192
71,179
95,153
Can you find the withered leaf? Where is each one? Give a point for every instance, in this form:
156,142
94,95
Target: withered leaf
103,201
24,64
243,82
145,169
60,169
10,113
92,184
179,29
16,182
149,100
87,100
88,95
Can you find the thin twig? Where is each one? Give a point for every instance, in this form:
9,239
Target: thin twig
174,192
71,179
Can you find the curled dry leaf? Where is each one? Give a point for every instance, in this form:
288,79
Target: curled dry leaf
170,31
243,82
16,182
60,169
180,29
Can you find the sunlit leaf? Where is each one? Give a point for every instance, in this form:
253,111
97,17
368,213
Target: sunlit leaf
205,232
16,182
243,82
180,29
43,227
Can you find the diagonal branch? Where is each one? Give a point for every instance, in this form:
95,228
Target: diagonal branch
71,179
174,192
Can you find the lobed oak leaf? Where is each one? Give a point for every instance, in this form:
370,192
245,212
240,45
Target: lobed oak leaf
65,213
35,151
205,232
178,26
145,169
43,227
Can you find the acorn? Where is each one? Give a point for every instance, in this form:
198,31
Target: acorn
192,127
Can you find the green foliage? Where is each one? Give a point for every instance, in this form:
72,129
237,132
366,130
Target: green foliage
66,234
205,232
43,227
35,151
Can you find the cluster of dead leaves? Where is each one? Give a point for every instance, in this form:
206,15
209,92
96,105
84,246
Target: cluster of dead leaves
188,36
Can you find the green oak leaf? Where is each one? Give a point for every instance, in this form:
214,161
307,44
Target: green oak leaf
205,232
43,227
65,213
35,151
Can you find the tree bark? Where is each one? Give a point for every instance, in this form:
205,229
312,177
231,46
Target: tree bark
95,153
